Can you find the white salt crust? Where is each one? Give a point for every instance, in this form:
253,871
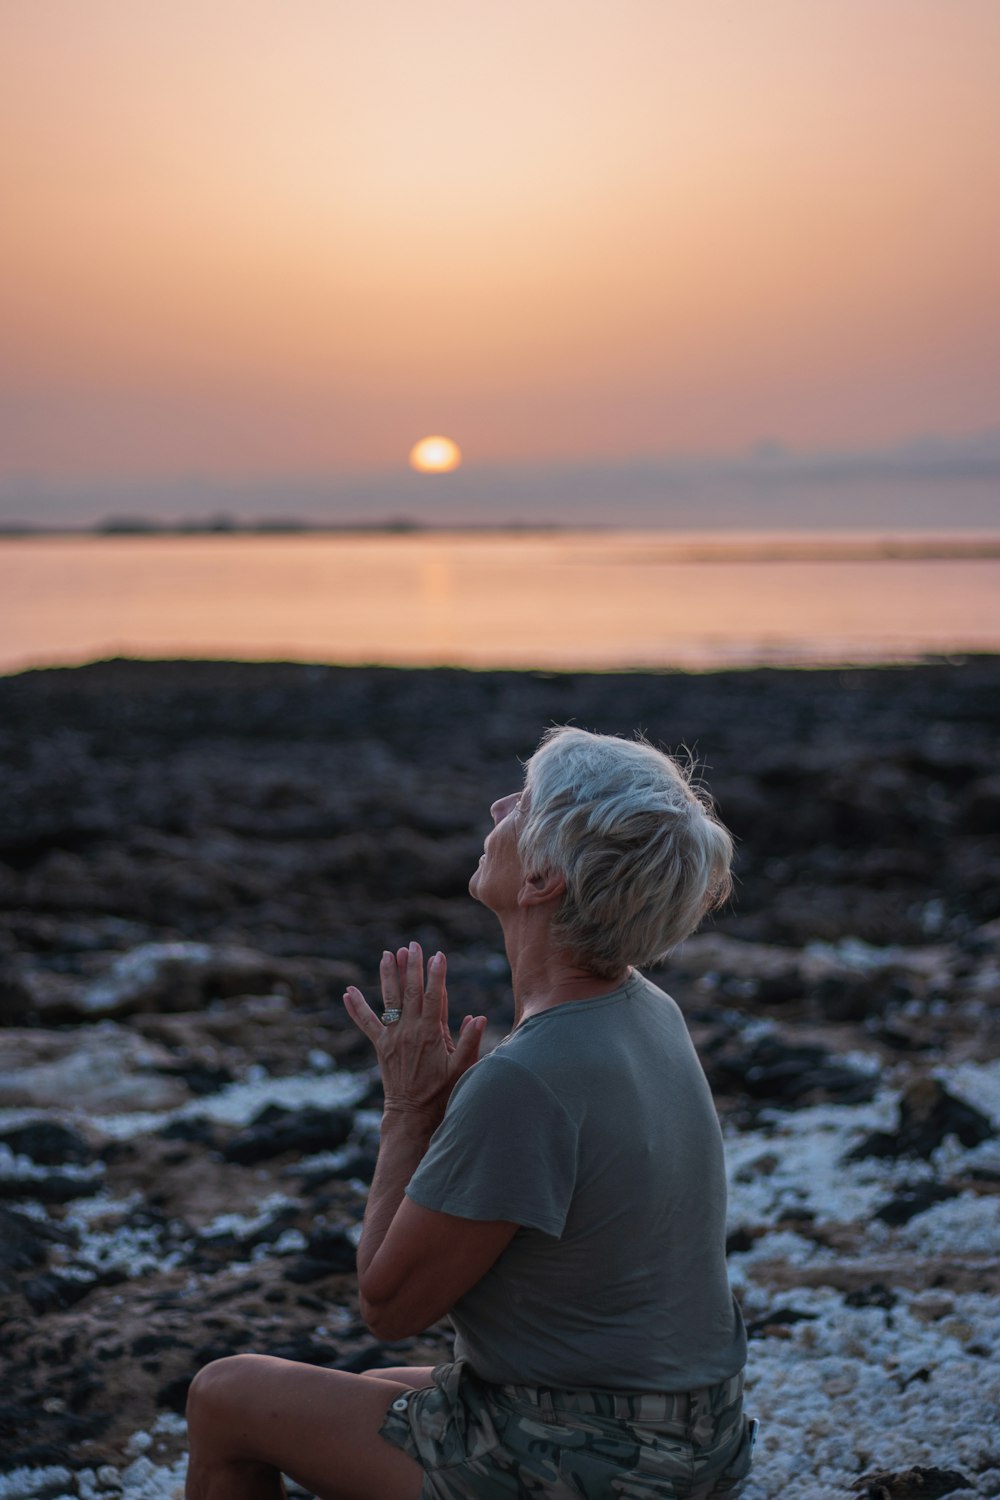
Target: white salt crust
843,1392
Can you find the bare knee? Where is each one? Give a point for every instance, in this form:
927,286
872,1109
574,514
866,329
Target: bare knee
213,1395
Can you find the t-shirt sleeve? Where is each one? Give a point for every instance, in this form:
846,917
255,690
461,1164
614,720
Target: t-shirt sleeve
506,1149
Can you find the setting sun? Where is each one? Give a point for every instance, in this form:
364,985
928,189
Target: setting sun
435,455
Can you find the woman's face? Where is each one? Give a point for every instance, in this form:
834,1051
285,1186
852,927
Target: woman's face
499,875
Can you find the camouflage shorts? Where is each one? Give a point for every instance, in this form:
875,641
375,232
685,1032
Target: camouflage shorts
503,1442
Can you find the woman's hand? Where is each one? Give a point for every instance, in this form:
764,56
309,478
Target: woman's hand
419,1061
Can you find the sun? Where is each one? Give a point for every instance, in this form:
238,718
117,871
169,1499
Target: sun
435,455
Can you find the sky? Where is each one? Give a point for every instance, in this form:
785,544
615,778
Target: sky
252,250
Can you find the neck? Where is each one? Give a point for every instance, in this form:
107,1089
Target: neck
545,976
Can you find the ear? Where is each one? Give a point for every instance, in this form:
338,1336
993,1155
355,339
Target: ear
536,890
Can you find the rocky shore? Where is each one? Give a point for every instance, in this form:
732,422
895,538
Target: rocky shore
196,857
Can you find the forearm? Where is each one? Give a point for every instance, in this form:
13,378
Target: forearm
404,1140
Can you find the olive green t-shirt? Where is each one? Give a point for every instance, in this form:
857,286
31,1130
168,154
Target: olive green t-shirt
592,1127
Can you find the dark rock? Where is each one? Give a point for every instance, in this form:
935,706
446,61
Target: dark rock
199,1078
196,1129
306,1348
55,1187
152,1343
918,1483
25,1245
850,997
913,1198
360,1164
275,1227
173,1395
277,1130
778,1317
739,1240
927,1113
51,1291
875,1295
333,1246
980,812
328,1252
786,1074
46,1144
17,1000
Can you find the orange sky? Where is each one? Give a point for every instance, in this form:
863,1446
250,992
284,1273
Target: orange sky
292,236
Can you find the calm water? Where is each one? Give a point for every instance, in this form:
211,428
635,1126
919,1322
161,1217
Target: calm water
572,599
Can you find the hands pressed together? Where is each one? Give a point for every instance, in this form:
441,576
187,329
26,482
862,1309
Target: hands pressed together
419,1060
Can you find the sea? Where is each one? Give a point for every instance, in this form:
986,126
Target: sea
562,600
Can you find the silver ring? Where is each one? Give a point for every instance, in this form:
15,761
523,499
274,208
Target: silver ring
390,1016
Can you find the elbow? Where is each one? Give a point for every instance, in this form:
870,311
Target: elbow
388,1323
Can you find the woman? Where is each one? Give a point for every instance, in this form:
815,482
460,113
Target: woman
563,1199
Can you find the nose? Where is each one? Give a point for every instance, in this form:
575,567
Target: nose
502,806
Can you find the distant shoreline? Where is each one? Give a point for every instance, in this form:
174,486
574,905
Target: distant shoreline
670,545
211,526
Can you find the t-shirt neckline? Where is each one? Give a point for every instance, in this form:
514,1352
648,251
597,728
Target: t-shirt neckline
592,1002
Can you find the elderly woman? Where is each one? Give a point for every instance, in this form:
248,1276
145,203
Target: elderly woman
563,1199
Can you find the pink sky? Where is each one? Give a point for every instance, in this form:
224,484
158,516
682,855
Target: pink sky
275,238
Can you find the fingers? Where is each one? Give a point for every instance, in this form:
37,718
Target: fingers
413,979
437,993
362,1015
470,1036
424,1002
401,975
391,973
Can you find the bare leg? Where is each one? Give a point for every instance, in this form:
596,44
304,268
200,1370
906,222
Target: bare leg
416,1377
252,1418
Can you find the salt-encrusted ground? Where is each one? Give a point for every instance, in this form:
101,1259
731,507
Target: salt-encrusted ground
874,1347
897,1362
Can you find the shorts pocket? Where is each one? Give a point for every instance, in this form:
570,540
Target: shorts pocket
444,1424
662,1469
738,1467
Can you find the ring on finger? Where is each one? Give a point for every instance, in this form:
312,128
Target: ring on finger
391,1015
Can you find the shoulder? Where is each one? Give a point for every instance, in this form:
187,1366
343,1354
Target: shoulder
507,1078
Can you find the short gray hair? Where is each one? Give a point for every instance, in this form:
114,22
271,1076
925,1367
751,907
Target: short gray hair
642,852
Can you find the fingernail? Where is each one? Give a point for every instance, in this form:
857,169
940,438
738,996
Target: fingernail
437,960
413,947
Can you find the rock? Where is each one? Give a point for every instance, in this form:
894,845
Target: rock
277,1130
50,1291
184,976
101,1071
194,1129
981,806
40,1186
778,1317
785,1074
876,1295
328,1253
25,1244
918,1483
46,1143
913,1198
927,1114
